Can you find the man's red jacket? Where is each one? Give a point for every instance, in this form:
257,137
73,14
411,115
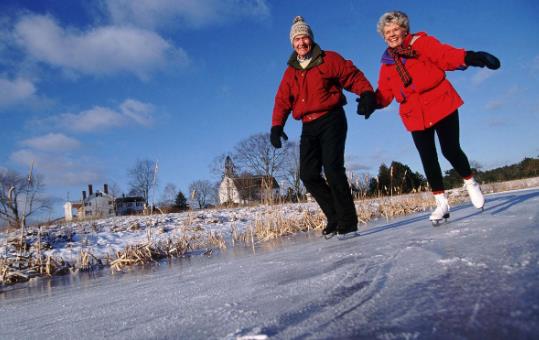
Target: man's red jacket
312,92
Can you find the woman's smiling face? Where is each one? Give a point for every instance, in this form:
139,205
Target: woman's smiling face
394,35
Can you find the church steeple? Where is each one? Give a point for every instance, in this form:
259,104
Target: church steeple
229,167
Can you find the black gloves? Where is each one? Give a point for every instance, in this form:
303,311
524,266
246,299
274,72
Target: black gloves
481,59
366,104
275,136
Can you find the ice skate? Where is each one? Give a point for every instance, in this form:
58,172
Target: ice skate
330,230
441,213
347,231
474,191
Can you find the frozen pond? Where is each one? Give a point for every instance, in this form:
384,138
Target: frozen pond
474,277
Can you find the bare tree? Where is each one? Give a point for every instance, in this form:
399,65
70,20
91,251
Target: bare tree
476,165
21,197
359,183
256,155
202,192
217,165
214,194
143,178
115,190
358,176
168,197
291,170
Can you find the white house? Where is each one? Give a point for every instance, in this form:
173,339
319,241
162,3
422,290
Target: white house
102,204
130,205
95,205
247,188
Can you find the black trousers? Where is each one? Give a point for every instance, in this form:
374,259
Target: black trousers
448,134
322,146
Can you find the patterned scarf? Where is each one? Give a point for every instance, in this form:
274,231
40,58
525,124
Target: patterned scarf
398,52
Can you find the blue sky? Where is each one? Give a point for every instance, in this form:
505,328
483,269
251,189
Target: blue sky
87,88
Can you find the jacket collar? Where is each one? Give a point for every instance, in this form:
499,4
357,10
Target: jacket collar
316,59
388,60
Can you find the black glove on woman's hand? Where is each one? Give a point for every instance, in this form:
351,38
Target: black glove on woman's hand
275,136
481,59
366,104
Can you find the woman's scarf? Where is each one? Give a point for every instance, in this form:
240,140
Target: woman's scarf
398,52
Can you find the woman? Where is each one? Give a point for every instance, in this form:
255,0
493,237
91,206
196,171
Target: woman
413,72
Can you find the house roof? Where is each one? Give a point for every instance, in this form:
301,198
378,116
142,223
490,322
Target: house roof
247,185
130,199
97,194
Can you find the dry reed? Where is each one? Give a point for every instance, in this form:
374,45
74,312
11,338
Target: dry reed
24,257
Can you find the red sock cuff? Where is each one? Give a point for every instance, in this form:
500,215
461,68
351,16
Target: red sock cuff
438,192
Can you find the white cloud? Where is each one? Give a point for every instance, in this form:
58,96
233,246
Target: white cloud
52,142
99,51
23,157
494,104
57,168
100,118
188,13
95,119
15,91
535,64
507,97
138,111
481,75
497,121
355,163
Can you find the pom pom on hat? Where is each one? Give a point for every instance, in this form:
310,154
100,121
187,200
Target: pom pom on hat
300,27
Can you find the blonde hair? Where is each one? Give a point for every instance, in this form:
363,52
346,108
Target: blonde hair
393,17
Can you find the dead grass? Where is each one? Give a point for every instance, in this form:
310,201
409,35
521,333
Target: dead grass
274,225
24,259
22,268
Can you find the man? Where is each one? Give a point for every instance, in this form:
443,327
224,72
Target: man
311,89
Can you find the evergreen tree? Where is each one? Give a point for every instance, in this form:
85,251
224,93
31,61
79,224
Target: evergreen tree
398,178
403,180
379,185
528,167
452,179
181,202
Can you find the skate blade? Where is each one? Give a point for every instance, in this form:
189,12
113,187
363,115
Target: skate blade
329,236
436,223
346,236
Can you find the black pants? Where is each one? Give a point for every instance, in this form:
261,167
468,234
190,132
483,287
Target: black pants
322,145
448,134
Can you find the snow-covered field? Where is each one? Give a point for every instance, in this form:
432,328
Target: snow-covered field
81,245
89,244
474,277
104,238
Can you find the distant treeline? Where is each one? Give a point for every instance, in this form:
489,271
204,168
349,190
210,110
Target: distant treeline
527,168
398,178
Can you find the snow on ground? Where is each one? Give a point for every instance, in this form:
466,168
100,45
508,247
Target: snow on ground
474,277
102,238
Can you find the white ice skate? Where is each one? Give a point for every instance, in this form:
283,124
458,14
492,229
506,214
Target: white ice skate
442,210
476,196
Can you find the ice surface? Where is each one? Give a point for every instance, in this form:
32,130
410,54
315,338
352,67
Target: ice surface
474,277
